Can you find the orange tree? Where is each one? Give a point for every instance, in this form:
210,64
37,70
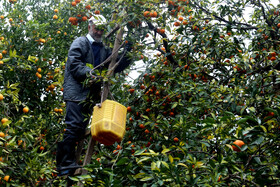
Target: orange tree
204,112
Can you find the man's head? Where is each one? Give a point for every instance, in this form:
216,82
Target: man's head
96,27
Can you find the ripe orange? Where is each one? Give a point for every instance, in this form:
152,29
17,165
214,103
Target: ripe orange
42,148
88,7
146,13
129,109
25,110
39,70
142,87
147,131
153,14
84,18
142,126
273,58
181,18
2,17
278,25
177,24
1,159
176,139
2,134
73,3
131,90
4,52
118,147
1,97
6,178
11,19
4,120
56,10
239,143
55,17
97,12
77,1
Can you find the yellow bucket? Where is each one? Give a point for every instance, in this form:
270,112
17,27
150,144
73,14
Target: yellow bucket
108,122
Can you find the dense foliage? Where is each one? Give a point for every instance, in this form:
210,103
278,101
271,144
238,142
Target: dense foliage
211,78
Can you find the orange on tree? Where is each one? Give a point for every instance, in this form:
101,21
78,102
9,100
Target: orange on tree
55,17
2,134
77,1
88,7
25,110
239,143
6,178
73,3
1,97
146,13
176,139
4,120
2,17
56,10
97,12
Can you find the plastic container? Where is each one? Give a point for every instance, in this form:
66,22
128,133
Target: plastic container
108,122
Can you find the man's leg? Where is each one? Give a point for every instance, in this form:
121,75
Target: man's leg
76,124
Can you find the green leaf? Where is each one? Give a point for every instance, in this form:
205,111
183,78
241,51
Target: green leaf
139,152
258,141
123,161
146,179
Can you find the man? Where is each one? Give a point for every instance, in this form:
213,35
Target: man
84,50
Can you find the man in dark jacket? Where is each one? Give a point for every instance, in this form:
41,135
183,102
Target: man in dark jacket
84,50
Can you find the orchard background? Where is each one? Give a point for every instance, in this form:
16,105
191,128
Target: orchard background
211,78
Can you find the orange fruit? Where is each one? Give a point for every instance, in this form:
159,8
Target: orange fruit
42,148
2,134
181,18
11,19
39,70
4,120
55,17
177,24
77,1
185,22
147,131
146,13
84,18
1,160
118,147
1,97
239,143
176,139
273,58
25,110
131,90
88,7
142,126
73,3
1,62
6,178
278,25
4,52
97,12
153,14
56,10
129,109
2,17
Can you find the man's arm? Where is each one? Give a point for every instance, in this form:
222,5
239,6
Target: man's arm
76,60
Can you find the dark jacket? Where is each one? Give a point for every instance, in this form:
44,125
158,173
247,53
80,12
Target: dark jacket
76,71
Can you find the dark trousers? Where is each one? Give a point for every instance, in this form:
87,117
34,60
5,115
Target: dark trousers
77,119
